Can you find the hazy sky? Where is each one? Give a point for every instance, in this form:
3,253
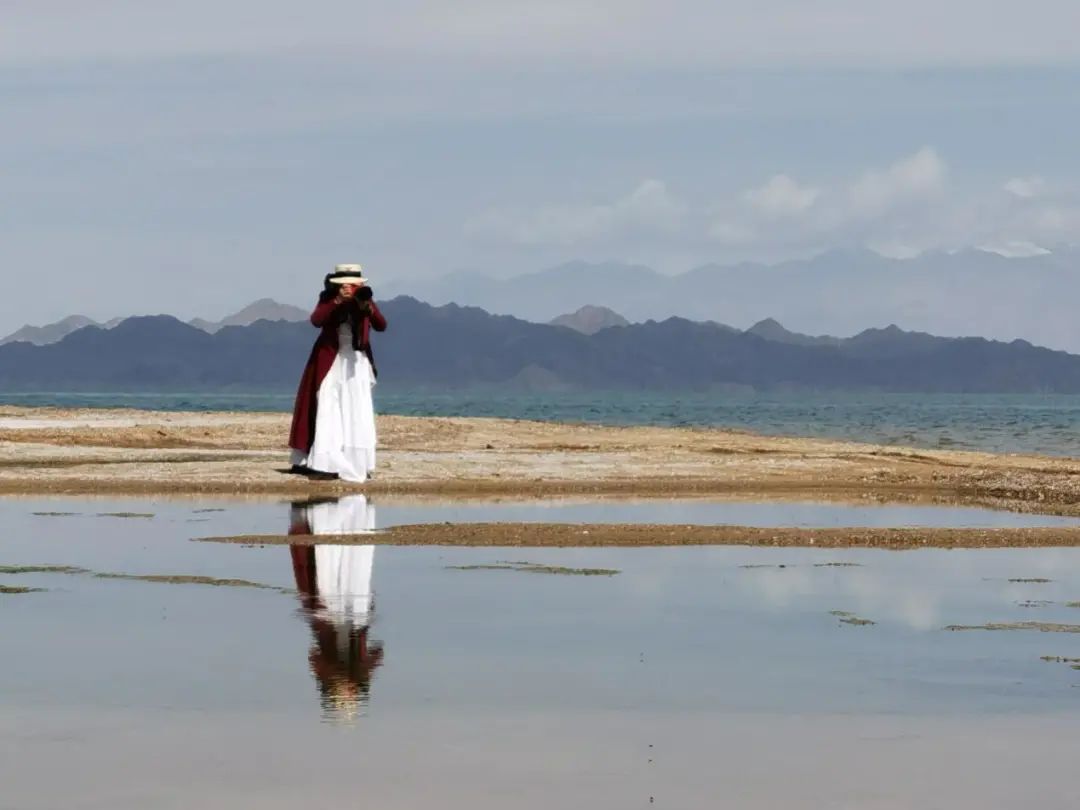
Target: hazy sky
190,157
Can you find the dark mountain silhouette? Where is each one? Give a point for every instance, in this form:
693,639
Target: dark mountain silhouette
590,319
453,346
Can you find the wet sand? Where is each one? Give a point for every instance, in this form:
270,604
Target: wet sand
589,535
97,451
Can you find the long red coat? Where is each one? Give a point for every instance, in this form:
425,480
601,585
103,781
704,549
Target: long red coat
318,365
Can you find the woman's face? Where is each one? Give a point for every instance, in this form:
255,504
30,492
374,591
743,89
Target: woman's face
348,290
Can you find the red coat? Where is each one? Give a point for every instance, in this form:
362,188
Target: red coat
318,365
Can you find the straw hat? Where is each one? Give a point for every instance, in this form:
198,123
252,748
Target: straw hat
348,274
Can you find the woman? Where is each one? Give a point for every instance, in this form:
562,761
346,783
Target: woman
333,427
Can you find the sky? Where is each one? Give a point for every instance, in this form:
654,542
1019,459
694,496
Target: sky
191,157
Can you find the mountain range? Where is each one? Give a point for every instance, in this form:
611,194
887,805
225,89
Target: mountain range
590,319
263,309
587,319
455,346
52,332
969,292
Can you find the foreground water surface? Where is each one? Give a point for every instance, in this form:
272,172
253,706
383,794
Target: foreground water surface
210,675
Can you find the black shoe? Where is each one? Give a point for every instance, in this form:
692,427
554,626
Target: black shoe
319,475
300,469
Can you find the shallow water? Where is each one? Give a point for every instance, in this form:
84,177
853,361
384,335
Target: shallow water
265,518
694,677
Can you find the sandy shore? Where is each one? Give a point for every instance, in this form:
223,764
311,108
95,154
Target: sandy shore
589,535
44,450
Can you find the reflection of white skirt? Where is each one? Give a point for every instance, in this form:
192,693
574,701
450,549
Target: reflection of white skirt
343,573
344,419
343,579
349,515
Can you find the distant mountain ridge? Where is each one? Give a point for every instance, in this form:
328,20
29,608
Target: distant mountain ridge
454,346
50,333
263,309
771,329
968,292
590,319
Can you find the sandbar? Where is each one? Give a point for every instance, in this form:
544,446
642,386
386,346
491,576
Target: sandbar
158,453
541,535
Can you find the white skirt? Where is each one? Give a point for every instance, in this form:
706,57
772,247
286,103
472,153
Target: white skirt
344,440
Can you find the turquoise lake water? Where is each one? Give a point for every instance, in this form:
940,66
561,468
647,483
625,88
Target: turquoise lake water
1011,423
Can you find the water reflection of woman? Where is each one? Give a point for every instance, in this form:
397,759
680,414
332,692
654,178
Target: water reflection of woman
334,583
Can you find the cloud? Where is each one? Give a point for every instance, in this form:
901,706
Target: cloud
648,209
1025,187
900,209
893,209
781,196
1015,249
917,176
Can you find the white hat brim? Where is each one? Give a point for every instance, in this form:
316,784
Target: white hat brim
359,280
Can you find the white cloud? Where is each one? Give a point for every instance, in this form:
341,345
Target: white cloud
899,210
894,209
1026,187
917,176
648,209
781,196
1015,249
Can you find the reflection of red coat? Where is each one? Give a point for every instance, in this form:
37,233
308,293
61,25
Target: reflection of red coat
318,365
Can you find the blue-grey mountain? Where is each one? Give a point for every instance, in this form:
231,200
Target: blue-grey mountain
49,333
590,319
263,309
970,292
453,346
